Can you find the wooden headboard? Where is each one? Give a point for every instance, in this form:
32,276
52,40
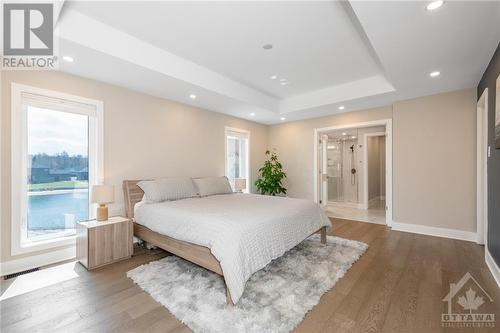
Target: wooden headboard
132,195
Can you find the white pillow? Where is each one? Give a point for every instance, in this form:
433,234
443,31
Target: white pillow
168,189
212,185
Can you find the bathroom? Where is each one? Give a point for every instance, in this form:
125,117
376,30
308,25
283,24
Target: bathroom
353,165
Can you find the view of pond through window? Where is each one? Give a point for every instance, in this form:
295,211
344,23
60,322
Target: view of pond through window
57,172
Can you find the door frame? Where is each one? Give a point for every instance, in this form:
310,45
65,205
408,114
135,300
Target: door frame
482,170
388,159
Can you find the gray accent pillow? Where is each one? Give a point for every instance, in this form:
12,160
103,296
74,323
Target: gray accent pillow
212,185
168,189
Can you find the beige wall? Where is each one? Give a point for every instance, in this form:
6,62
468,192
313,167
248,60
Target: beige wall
433,157
145,137
382,165
434,162
373,154
376,166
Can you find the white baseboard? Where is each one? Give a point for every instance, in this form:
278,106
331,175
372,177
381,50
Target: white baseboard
435,231
492,265
22,264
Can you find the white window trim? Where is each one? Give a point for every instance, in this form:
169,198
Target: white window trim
19,151
247,134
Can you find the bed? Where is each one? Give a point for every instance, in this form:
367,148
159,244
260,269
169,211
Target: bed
233,235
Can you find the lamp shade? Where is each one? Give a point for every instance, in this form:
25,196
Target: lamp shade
240,184
103,194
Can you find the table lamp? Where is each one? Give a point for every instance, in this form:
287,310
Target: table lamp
102,195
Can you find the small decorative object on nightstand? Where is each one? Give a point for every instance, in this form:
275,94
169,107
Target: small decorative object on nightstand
240,184
102,195
102,243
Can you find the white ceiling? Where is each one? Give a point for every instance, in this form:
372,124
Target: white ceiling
228,38
356,54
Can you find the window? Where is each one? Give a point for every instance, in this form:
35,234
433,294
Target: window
237,155
56,156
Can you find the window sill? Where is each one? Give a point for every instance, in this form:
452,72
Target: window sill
29,247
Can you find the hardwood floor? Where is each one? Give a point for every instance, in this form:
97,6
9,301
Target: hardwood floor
397,286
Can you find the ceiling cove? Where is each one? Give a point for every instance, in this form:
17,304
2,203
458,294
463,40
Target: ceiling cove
271,62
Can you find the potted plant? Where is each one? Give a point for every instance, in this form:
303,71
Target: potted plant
271,176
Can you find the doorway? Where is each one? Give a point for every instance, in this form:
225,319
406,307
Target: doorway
374,171
353,171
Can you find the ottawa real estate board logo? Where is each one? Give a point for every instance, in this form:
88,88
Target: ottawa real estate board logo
468,305
28,36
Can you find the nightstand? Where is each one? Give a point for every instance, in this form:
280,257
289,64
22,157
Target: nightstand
99,243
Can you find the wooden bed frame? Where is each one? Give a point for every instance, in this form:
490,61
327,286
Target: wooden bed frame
199,255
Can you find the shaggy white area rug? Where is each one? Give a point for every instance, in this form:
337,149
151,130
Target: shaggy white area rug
276,298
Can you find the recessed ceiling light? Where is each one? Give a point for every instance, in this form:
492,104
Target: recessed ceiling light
284,83
68,59
353,137
435,5
341,107
252,114
192,96
283,118
274,77
435,74
344,133
267,46
283,80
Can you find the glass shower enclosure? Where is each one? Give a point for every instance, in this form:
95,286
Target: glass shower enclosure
339,160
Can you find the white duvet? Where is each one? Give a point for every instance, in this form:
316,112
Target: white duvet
243,231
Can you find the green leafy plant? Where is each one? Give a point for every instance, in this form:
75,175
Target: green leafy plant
271,176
